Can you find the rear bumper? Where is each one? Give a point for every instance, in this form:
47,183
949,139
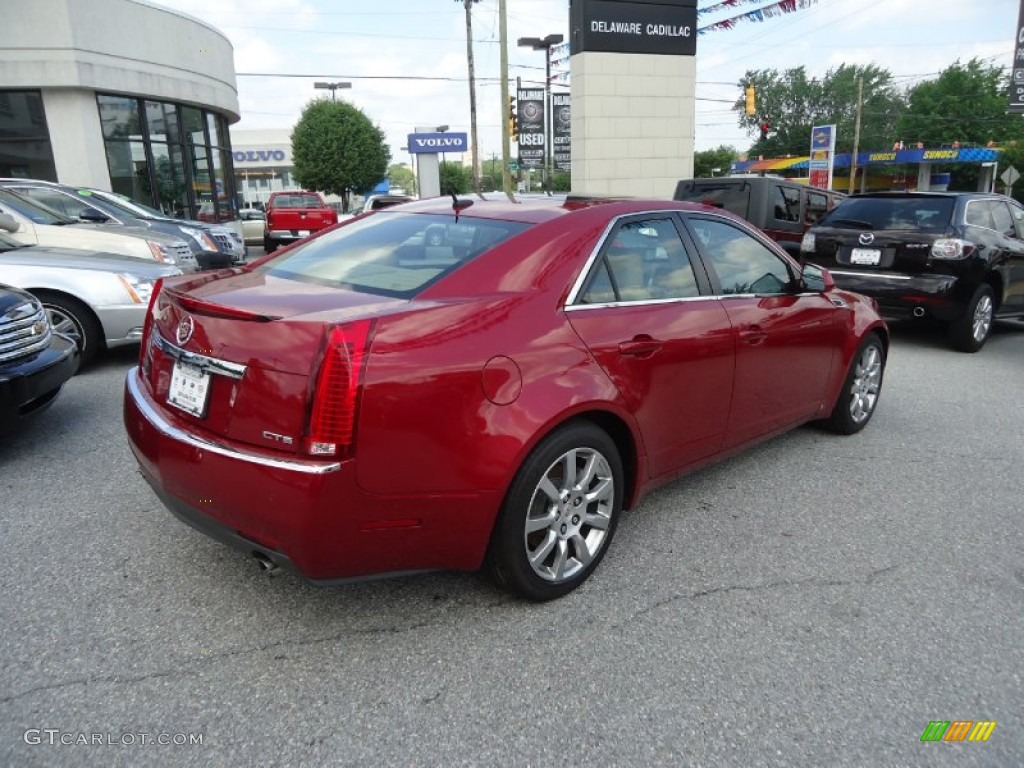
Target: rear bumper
308,516
901,296
28,386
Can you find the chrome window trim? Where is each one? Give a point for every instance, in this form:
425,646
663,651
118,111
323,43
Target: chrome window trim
165,428
207,363
640,302
877,275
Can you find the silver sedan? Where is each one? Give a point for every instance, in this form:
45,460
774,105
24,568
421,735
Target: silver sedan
98,299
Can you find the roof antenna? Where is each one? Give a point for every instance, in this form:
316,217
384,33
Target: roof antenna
458,205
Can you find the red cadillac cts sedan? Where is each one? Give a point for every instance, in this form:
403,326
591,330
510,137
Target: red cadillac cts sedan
443,385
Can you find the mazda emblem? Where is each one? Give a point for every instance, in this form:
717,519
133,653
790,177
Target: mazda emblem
866,238
185,329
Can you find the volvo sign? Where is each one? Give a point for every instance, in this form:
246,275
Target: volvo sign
436,143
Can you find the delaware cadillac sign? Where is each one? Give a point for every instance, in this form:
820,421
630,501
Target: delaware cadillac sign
667,27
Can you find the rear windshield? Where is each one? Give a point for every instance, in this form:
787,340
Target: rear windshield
734,198
925,214
296,201
391,254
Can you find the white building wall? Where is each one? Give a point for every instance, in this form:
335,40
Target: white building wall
633,123
76,137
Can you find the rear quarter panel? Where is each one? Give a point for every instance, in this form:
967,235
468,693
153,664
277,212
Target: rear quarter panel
425,423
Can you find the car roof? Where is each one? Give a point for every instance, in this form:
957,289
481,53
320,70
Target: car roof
927,193
536,210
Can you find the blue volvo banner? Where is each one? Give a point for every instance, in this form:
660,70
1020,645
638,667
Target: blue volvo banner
435,143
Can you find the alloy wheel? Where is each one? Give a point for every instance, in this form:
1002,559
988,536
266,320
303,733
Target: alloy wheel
867,382
982,318
569,514
66,325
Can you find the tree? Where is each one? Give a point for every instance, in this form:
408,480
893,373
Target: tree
561,181
336,149
713,162
455,178
965,104
791,104
402,176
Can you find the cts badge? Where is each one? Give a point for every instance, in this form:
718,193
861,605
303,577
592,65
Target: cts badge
185,329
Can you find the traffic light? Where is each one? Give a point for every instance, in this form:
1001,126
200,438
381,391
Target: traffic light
749,101
764,130
513,122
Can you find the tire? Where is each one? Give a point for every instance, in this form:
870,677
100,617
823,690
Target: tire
861,388
548,542
970,332
74,319
269,246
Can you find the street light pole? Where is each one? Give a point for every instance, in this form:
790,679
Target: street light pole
545,44
332,87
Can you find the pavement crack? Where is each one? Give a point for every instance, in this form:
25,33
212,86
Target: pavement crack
866,580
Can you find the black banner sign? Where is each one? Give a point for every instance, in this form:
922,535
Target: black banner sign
561,116
666,27
531,128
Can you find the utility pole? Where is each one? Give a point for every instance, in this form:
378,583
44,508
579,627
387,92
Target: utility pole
856,135
474,149
506,115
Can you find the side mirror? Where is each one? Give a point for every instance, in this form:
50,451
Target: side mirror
92,215
817,279
9,223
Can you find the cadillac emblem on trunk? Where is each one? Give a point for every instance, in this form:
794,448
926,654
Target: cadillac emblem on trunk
185,329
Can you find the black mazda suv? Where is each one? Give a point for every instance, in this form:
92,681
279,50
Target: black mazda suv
953,257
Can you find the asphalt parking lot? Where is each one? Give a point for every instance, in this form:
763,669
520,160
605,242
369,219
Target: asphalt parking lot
815,601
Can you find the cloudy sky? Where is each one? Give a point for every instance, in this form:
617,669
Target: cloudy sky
406,59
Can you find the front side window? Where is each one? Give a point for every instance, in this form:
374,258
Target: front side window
817,206
391,254
1001,220
642,260
743,264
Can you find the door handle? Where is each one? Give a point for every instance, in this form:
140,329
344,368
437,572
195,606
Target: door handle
641,346
753,335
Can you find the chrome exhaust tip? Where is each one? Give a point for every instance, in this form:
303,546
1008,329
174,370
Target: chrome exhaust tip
266,565
918,311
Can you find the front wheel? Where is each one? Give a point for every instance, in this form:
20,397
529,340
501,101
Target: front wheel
560,514
970,332
73,319
863,384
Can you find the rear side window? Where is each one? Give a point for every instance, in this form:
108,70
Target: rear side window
786,204
643,260
734,198
296,201
391,254
925,214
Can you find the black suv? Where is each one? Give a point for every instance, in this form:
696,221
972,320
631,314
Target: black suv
954,257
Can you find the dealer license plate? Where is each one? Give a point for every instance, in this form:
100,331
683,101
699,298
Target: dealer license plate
190,388
865,256
303,233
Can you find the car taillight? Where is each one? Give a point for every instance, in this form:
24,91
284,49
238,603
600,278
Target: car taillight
332,418
145,351
951,248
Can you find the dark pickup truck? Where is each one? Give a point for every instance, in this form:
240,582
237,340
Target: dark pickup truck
292,216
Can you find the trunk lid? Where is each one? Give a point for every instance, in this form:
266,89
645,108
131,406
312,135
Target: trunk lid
897,250
259,339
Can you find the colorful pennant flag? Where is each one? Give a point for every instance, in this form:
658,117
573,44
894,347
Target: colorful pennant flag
760,14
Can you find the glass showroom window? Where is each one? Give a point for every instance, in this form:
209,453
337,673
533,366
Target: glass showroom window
25,150
168,156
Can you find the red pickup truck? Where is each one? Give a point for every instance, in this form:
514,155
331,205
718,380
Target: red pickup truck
292,216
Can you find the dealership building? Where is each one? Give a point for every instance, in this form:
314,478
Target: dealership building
121,95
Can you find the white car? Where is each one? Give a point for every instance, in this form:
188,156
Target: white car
254,224
97,299
31,223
